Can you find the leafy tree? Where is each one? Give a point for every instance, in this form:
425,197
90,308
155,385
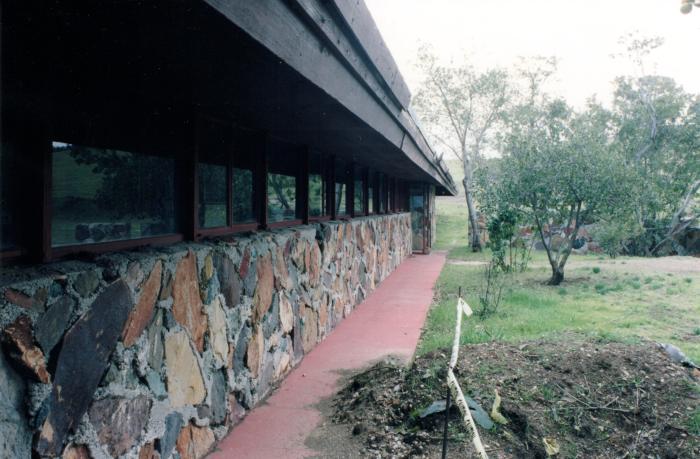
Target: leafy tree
558,170
657,128
461,108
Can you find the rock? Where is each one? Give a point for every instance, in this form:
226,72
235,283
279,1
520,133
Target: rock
262,299
245,264
310,328
286,314
50,326
148,451
281,272
86,283
77,377
15,435
155,383
173,424
20,299
185,383
240,351
271,321
167,286
19,345
76,452
194,442
229,280
155,341
119,422
218,398
187,304
314,265
208,269
236,410
255,352
134,274
217,332
143,312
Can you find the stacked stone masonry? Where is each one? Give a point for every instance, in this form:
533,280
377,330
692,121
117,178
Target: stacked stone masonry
159,353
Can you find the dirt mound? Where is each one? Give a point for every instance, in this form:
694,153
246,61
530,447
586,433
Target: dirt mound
591,399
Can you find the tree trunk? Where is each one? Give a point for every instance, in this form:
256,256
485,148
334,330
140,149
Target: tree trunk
473,226
557,276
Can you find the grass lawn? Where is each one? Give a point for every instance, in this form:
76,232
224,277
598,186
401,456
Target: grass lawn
624,299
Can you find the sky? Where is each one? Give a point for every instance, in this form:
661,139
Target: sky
581,34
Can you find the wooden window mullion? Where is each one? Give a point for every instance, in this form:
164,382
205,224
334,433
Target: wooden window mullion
302,190
260,183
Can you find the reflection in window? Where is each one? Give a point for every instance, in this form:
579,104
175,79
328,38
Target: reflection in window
359,192
317,187
212,195
370,197
101,195
9,197
341,189
243,199
382,194
282,197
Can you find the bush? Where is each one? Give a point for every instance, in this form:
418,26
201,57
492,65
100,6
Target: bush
613,236
491,290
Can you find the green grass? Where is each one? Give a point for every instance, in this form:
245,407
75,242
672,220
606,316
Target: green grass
614,304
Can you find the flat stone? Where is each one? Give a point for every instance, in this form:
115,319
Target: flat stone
229,280
240,352
155,341
134,274
19,343
218,398
271,321
95,334
141,315
185,383
86,283
194,442
76,452
255,352
314,265
187,303
51,325
148,451
167,289
15,434
263,291
286,314
119,422
208,269
217,332
245,263
310,328
18,298
281,272
236,411
155,383
173,425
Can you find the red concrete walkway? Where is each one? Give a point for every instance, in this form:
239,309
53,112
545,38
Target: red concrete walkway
389,321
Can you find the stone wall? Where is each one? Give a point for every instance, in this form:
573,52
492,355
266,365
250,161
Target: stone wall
148,353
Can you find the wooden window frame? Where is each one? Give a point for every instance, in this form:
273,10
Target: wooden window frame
302,190
199,233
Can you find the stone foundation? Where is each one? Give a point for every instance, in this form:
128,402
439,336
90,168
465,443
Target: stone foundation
150,353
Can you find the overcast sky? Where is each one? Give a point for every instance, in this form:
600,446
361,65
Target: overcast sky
582,34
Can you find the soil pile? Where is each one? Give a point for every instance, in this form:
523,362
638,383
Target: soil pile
587,398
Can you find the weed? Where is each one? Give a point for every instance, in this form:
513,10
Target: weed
600,288
694,423
696,331
596,269
656,286
688,280
561,291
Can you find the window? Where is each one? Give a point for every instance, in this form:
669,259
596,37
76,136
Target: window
371,194
243,189
101,195
10,198
283,203
390,194
342,175
318,199
382,193
215,148
359,190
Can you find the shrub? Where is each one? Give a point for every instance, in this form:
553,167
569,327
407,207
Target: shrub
596,269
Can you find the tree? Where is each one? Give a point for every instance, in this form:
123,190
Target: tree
559,170
657,128
461,106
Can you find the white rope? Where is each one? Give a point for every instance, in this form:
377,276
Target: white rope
453,384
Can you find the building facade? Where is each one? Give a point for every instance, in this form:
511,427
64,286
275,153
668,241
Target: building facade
193,195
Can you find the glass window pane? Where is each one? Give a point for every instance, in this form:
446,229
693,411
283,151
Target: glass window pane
382,194
212,195
9,197
317,187
359,192
282,199
341,190
371,196
243,196
101,195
